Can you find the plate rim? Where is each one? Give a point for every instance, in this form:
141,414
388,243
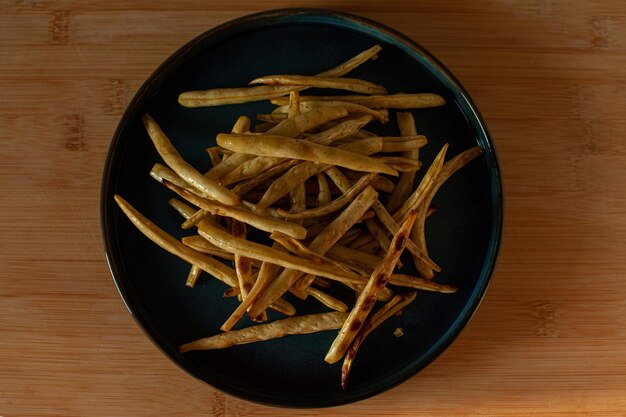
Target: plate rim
477,123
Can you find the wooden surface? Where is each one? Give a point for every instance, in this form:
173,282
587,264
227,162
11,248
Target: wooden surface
550,79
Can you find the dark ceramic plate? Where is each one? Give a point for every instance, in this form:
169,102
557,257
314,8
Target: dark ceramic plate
463,236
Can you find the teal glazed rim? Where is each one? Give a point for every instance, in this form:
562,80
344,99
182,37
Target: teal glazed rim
111,181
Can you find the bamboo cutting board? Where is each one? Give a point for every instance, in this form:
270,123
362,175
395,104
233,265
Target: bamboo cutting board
550,80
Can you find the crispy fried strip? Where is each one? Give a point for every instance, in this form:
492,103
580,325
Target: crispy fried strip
387,220
426,183
347,238
294,104
403,187
327,299
182,208
354,257
224,240
406,144
245,186
200,244
333,206
227,165
284,147
288,128
348,84
418,233
221,96
243,265
323,196
322,242
322,283
197,217
194,273
365,302
293,325
261,164
373,227
399,163
172,158
271,118
267,272
214,155
242,125
409,281
385,312
264,127
307,121
352,63
297,248
391,101
380,183
380,115
161,172
299,173
261,222
379,233
173,246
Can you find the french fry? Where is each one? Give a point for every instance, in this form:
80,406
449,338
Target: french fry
367,298
161,172
173,246
348,84
385,312
284,147
261,222
293,325
392,101
172,158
